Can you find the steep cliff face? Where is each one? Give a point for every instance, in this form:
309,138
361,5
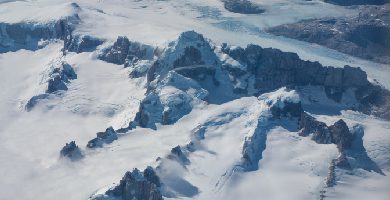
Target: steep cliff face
33,36
271,69
125,52
191,70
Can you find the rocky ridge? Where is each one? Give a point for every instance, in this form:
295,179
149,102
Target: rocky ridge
71,151
55,79
365,35
135,185
101,138
190,68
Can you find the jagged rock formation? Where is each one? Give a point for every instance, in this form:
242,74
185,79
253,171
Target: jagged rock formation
105,137
319,130
191,49
366,35
272,69
357,2
126,52
170,101
242,6
331,178
60,76
190,70
341,136
135,185
57,77
31,36
192,64
83,43
177,79
338,133
177,154
71,150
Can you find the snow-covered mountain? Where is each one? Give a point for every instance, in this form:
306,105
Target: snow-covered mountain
193,99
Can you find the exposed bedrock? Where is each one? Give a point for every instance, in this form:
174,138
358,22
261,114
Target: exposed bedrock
178,155
190,55
189,70
349,142
366,35
32,36
242,7
286,109
125,52
338,133
55,79
272,69
101,138
139,185
71,151
83,43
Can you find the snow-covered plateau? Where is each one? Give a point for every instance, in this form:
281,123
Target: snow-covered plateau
193,99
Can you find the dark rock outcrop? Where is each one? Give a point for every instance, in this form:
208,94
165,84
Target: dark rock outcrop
331,178
272,69
341,136
144,185
105,137
366,35
71,150
59,75
242,7
177,154
191,50
150,111
29,35
83,43
319,130
126,52
289,109
338,133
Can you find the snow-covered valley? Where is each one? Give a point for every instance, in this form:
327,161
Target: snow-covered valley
200,94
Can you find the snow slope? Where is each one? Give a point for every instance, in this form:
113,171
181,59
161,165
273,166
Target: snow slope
103,95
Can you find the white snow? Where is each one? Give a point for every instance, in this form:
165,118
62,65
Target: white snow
103,95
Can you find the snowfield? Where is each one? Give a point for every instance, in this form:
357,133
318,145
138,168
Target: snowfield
233,147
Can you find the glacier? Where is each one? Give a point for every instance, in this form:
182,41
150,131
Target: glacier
192,99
